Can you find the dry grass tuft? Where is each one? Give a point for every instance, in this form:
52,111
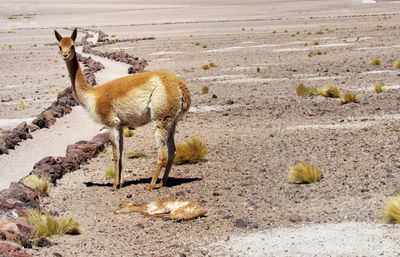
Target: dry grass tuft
22,104
128,132
375,61
205,90
205,67
391,210
47,225
349,97
134,155
304,172
258,70
316,42
379,88
39,185
330,91
302,90
109,172
396,64
192,151
213,65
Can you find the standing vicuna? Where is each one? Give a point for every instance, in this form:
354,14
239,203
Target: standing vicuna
131,101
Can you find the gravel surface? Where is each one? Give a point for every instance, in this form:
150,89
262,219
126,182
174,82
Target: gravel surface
253,123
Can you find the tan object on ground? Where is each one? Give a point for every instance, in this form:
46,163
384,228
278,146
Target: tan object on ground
173,208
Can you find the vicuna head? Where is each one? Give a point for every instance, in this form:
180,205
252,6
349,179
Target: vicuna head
66,45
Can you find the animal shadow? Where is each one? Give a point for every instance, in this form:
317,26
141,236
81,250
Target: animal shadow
172,181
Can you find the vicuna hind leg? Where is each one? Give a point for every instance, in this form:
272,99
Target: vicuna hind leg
162,128
171,153
118,146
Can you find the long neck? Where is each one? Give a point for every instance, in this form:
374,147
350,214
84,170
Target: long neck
81,88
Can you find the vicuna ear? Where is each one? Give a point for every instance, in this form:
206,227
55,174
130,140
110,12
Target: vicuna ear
58,36
73,35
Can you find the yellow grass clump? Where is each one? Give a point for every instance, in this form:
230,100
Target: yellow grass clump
47,225
302,90
109,172
316,42
39,185
212,65
22,104
391,210
379,88
205,90
192,151
128,132
349,97
304,172
135,155
330,91
375,61
396,64
205,66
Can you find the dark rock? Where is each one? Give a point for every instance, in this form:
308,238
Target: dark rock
214,96
166,218
23,196
241,223
230,102
26,230
57,254
129,196
3,147
9,231
295,218
216,194
9,250
43,242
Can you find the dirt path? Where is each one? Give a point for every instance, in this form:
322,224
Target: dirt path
67,130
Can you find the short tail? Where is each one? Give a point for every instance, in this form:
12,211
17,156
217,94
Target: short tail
186,99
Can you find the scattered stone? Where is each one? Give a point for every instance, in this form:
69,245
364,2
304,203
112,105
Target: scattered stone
9,231
43,242
129,196
295,218
214,96
166,218
9,250
55,254
241,223
19,196
230,102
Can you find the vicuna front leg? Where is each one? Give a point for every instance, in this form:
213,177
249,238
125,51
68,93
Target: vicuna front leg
117,142
164,133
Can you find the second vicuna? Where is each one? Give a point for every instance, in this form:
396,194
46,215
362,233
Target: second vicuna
131,101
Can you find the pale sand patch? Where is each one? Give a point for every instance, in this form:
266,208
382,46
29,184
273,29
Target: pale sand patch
311,48
221,77
210,108
112,70
67,130
376,48
350,123
379,72
11,123
164,53
341,239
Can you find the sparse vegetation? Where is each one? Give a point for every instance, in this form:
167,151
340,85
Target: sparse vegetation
391,210
349,97
205,90
314,53
205,67
258,70
375,61
396,64
134,155
47,225
304,172
330,91
302,90
53,91
379,88
192,151
209,65
37,184
128,132
204,46
320,32
22,104
316,42
109,172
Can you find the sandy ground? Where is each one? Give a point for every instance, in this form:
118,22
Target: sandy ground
255,129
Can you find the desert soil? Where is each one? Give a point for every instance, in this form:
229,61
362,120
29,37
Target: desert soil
255,126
